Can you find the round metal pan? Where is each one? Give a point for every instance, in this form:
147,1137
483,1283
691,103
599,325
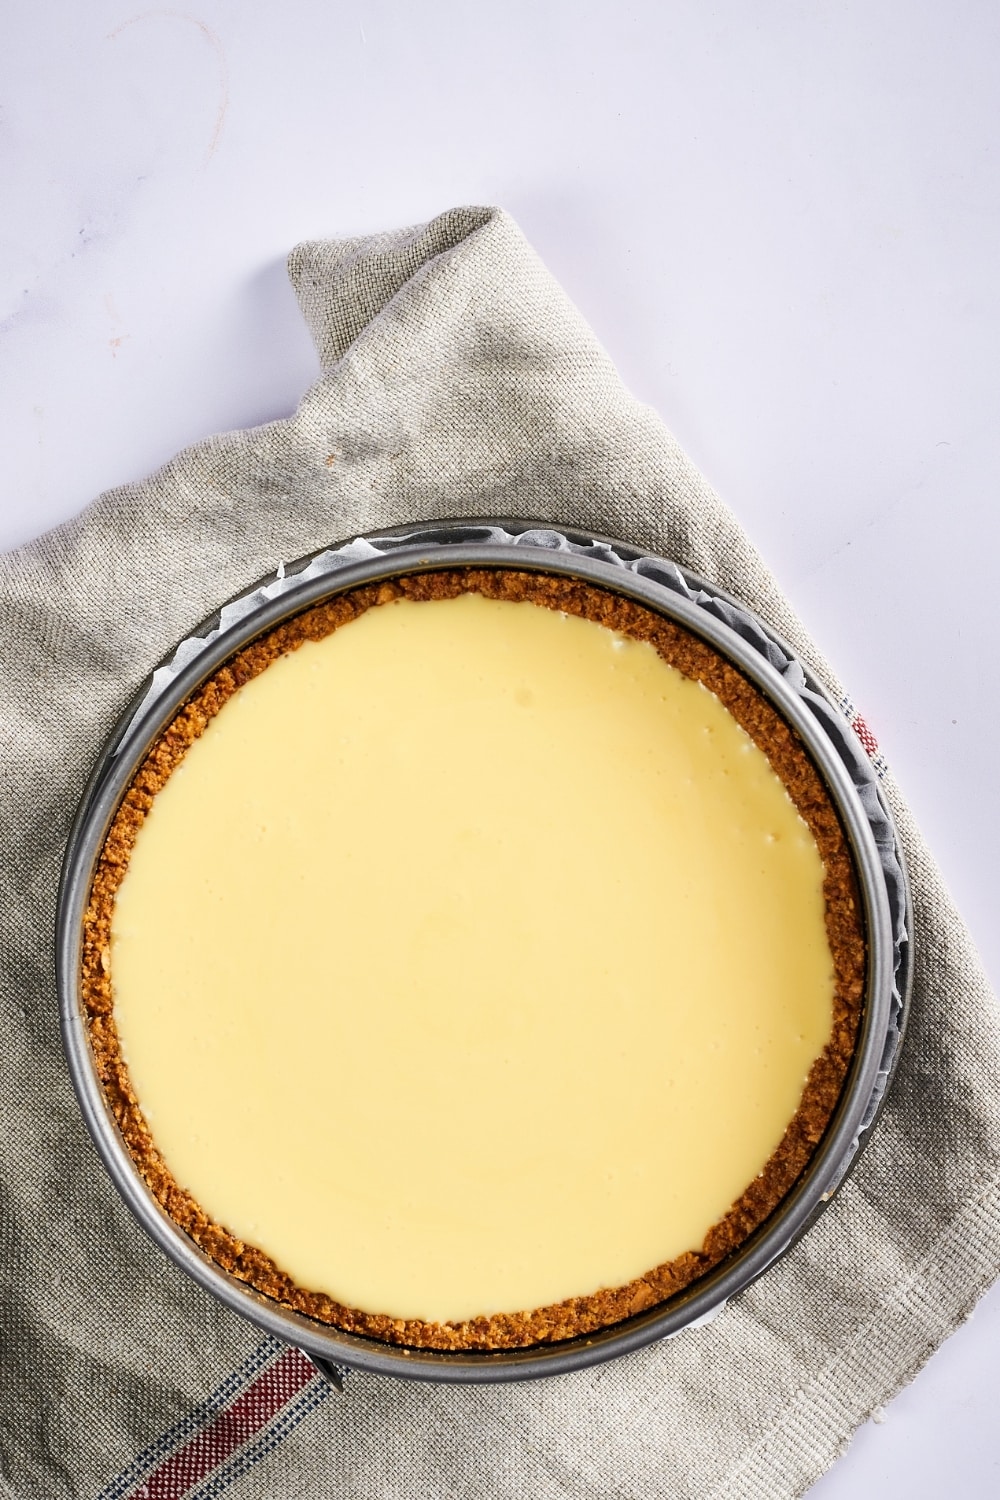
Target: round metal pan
752,647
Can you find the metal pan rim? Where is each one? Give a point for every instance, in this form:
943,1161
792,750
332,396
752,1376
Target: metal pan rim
429,547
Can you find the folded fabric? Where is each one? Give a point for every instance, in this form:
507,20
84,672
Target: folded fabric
457,380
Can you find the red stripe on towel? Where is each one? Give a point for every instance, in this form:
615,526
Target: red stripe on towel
235,1425
868,741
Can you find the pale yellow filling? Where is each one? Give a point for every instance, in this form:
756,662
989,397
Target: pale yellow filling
472,959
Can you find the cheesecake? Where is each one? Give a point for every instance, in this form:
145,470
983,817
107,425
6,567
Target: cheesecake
475,961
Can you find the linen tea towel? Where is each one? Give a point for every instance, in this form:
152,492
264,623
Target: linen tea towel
457,380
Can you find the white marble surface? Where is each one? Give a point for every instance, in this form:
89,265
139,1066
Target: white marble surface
782,220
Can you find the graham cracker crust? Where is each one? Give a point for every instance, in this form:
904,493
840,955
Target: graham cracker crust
844,925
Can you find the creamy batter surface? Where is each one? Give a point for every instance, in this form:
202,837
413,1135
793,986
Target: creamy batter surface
473,958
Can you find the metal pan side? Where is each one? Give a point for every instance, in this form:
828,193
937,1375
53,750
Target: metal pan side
112,775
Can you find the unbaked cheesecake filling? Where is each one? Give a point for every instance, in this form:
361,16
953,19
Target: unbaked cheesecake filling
473,958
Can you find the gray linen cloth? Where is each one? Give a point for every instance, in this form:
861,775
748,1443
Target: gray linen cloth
457,380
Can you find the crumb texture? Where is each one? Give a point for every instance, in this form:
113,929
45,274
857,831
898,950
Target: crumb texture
788,757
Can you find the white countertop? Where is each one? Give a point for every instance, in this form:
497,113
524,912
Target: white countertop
783,221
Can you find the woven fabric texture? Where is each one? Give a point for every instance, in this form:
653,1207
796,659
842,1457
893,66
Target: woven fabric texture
457,380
